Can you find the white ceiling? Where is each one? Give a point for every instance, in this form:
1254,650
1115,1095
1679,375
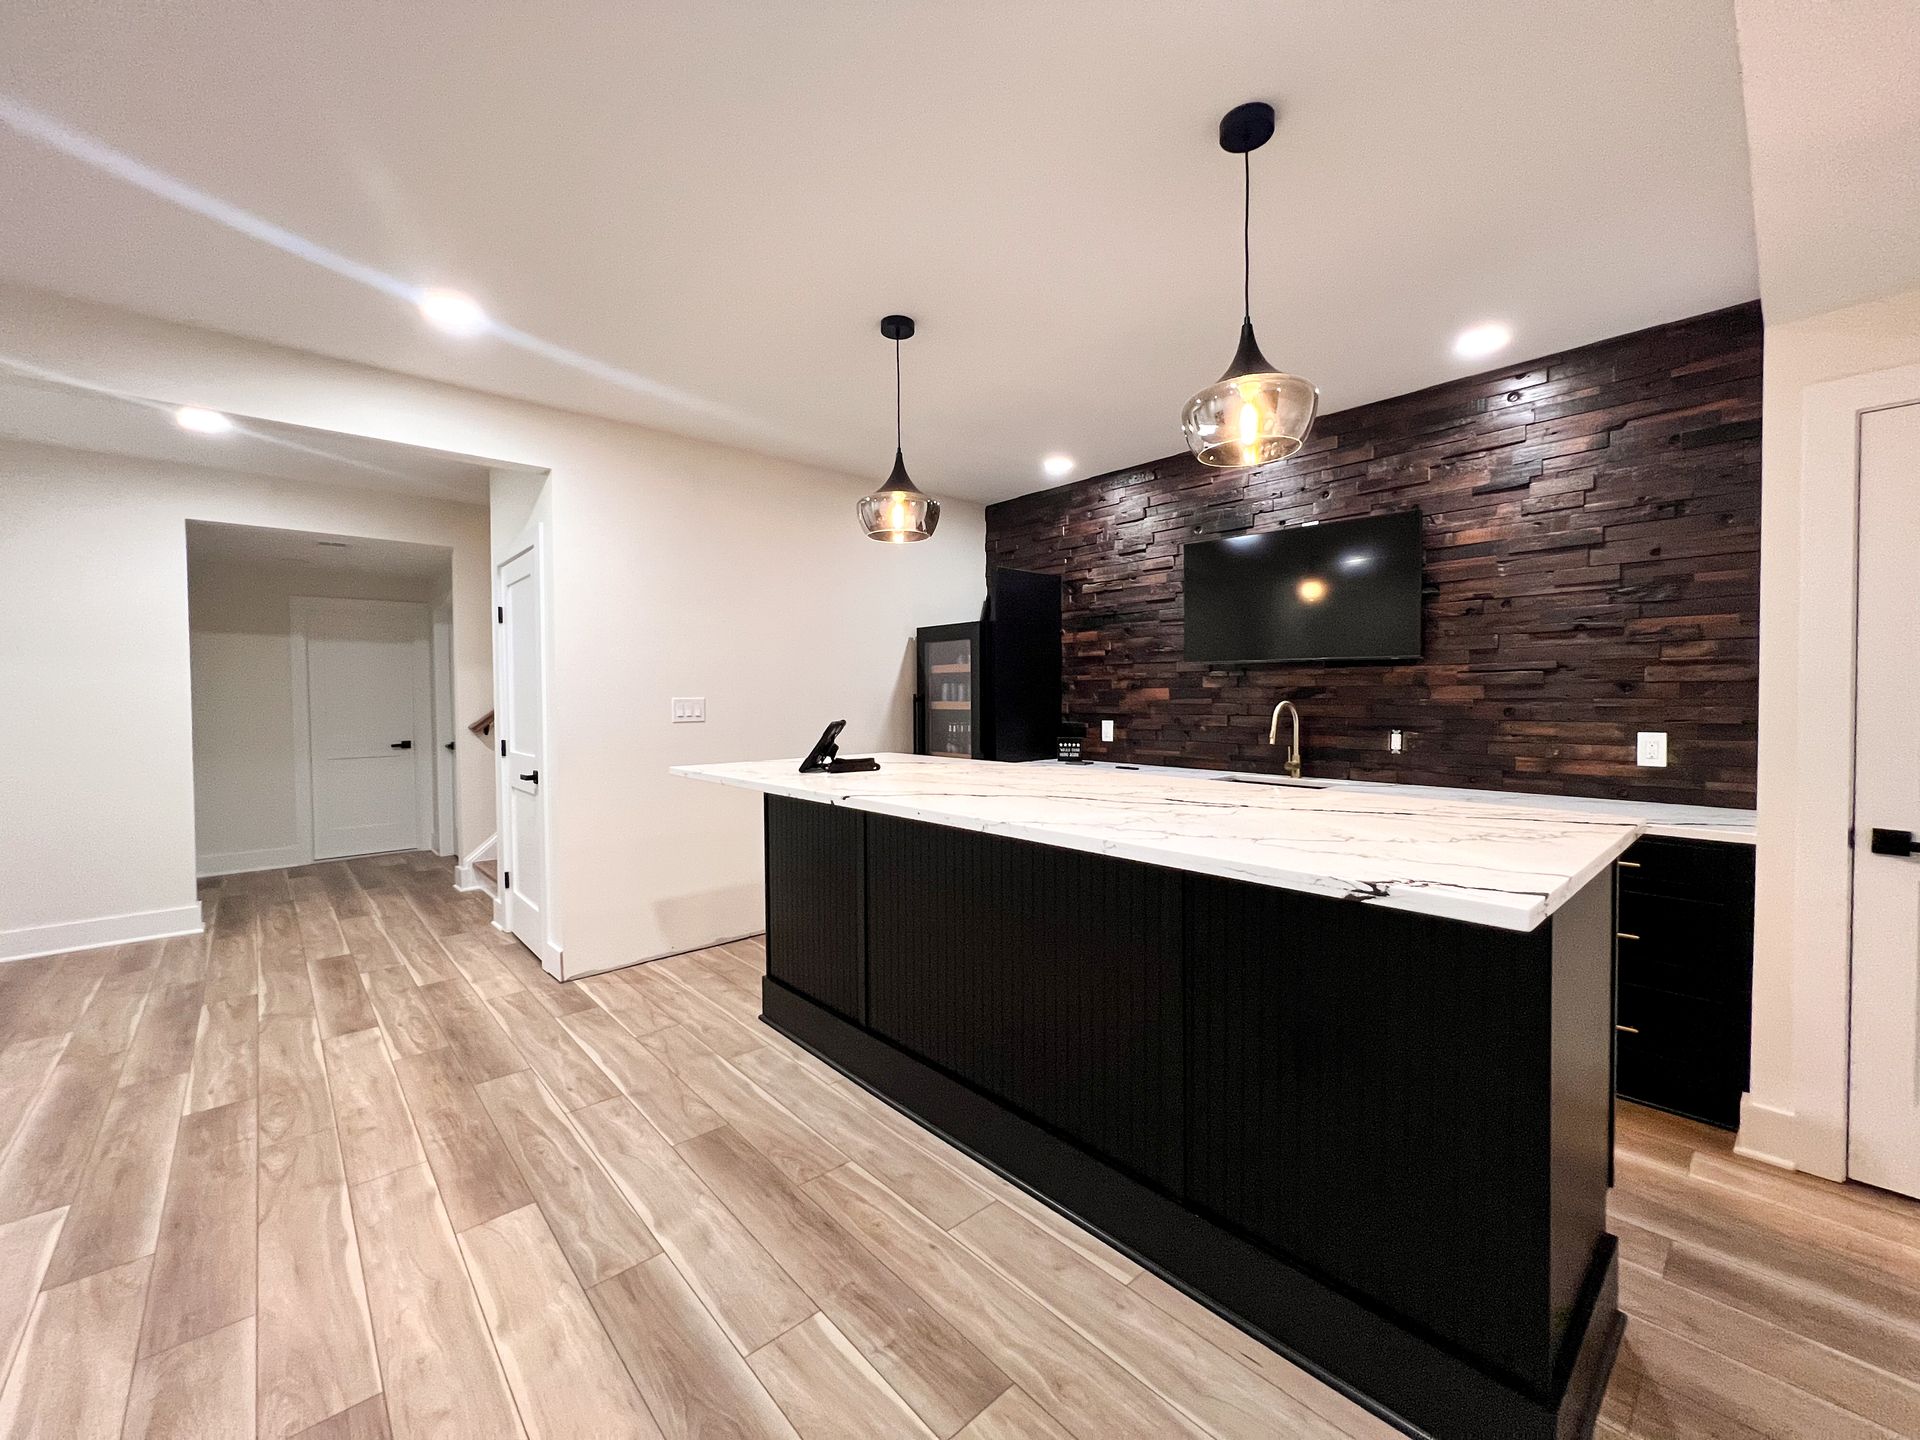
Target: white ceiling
278,550
47,413
1833,118
708,207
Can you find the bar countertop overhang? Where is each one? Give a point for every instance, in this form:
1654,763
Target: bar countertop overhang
1503,865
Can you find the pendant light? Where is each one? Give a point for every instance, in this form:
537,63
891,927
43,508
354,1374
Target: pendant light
899,511
1254,414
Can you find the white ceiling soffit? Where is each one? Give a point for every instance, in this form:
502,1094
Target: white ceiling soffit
693,216
259,547
46,413
1833,121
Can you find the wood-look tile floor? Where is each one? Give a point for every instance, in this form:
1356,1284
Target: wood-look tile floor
350,1165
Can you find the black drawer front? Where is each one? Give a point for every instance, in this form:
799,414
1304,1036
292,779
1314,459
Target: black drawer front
1682,1054
1691,947
1697,869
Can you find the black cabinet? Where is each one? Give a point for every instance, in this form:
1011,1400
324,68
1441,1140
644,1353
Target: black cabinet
1684,958
990,689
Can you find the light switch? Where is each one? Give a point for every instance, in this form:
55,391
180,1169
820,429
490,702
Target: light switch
689,709
1652,748
1106,730
1396,742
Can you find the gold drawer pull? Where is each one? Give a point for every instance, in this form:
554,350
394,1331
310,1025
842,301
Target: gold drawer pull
1628,1029
1628,864
1625,935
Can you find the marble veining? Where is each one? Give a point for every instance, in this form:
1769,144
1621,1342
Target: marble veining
1504,865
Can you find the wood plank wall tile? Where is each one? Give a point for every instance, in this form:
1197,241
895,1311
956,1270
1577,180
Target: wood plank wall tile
1592,525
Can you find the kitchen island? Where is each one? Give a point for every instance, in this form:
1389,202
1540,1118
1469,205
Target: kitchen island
1334,1063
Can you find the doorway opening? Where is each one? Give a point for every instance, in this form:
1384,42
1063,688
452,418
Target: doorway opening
321,710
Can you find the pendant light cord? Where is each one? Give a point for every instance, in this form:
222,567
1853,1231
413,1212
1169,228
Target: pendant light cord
1246,240
896,396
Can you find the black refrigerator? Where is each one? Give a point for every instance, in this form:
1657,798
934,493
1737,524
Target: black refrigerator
990,688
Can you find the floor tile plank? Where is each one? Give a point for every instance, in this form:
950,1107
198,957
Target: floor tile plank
797,1151
944,1377
339,997
436,1353
55,1139
566,1376
26,1247
479,1045
597,1229
293,1079
316,1354
114,1216
472,1165
376,1131
829,1390
226,1054
75,1363
1180,1365
163,1043
202,1390
203,1265
1078,1383
748,1293
563,1067
647,1080
687,1371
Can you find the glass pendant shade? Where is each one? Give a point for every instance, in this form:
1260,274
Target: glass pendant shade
1252,415
899,511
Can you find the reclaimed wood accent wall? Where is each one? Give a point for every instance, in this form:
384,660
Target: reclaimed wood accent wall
1592,525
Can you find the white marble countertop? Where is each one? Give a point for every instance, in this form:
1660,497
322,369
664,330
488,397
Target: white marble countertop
1682,822
1502,864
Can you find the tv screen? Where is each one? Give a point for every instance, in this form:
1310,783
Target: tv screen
1348,590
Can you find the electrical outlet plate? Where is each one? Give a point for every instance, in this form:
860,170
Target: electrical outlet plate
689,709
1106,730
1651,748
1396,742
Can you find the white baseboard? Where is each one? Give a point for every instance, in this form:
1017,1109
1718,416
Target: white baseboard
241,862
103,930
1767,1133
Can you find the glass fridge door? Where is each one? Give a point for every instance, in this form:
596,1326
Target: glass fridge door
947,690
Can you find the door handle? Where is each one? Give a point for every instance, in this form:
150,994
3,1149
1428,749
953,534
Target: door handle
401,745
533,775
1894,842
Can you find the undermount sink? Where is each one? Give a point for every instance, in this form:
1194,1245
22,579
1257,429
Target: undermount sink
1287,780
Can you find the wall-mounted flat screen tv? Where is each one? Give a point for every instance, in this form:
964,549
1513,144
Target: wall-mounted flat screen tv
1344,591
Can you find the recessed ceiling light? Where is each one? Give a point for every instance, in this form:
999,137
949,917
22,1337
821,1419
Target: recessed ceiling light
202,421
1058,467
453,312
1477,341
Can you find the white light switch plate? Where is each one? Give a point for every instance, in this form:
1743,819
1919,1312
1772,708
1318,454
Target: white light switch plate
689,709
1106,730
1652,748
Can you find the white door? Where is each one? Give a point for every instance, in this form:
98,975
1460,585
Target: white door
368,720
521,724
1883,1139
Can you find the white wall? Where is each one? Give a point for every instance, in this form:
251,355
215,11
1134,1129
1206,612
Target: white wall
1795,1110
244,755
96,725
679,568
